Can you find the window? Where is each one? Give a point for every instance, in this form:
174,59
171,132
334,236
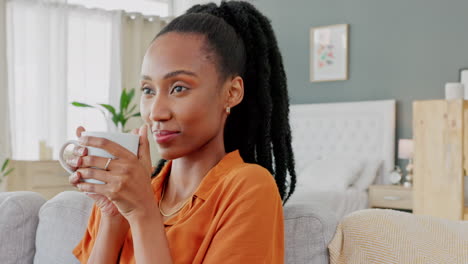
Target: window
59,53
146,7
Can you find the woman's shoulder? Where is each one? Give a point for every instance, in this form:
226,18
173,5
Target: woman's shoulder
249,184
249,174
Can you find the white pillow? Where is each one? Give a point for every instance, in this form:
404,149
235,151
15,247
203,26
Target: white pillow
367,177
329,175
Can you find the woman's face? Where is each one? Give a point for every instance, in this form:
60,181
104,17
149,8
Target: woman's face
183,100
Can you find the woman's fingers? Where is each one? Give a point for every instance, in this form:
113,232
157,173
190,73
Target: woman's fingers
144,149
79,130
97,162
74,162
97,174
74,178
135,131
92,187
80,151
110,146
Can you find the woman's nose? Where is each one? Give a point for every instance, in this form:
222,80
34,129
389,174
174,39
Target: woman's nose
160,110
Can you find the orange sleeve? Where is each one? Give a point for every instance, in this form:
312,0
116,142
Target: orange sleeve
251,229
83,250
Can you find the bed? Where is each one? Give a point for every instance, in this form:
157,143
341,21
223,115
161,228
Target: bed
340,150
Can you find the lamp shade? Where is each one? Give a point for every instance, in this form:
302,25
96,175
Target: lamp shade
405,149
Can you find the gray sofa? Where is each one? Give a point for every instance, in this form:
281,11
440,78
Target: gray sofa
33,230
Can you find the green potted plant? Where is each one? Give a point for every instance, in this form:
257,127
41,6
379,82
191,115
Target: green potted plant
4,171
119,118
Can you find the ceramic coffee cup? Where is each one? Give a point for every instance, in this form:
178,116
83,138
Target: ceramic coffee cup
128,141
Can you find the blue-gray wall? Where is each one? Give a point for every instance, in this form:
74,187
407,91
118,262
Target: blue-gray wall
399,49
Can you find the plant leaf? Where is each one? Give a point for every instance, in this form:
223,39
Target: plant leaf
78,104
131,110
123,100
8,172
131,94
119,117
137,114
109,108
5,164
115,120
128,99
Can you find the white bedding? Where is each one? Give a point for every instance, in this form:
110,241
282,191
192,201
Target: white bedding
340,202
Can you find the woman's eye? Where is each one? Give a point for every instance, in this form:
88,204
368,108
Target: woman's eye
178,89
146,90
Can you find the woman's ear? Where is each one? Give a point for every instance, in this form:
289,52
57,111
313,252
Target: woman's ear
235,91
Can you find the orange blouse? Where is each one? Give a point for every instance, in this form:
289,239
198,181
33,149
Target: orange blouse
235,216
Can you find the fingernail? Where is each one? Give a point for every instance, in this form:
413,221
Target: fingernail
81,140
78,186
82,151
71,162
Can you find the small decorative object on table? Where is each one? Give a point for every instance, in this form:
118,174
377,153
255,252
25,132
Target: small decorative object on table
45,151
396,175
405,151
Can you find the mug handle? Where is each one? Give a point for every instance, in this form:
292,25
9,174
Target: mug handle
61,160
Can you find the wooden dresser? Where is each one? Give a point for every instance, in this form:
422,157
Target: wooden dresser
440,129
45,177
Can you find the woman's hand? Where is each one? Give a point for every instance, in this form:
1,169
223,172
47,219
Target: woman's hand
105,205
128,177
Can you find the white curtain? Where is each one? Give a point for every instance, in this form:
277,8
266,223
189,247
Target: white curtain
137,34
5,147
58,54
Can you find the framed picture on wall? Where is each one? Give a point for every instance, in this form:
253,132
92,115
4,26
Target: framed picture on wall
329,53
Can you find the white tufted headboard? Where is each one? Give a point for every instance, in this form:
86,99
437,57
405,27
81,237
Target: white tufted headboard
352,129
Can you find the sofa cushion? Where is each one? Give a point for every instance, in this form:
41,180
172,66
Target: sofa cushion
388,236
18,223
308,230
62,224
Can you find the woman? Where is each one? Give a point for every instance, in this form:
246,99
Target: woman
214,96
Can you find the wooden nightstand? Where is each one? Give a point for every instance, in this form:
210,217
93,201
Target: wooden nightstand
391,197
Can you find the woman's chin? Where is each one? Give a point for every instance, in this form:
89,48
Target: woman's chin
168,153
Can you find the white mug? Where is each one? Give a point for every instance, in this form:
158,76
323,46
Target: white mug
128,141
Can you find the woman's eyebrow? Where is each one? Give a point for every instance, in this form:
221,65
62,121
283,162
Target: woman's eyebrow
171,74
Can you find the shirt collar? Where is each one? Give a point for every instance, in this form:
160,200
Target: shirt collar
209,181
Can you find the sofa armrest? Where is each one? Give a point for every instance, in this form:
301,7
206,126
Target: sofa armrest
62,224
308,230
18,224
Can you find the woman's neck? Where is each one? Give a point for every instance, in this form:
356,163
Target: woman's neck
187,172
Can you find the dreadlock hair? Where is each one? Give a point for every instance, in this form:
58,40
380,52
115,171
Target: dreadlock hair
243,43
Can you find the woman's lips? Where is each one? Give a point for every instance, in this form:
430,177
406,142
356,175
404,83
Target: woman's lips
163,136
